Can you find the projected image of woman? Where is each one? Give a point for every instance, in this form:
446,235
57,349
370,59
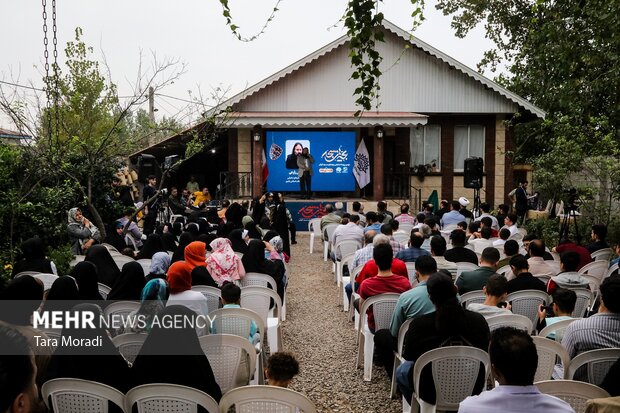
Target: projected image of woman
291,159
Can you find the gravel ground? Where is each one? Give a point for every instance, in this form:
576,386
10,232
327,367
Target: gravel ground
316,330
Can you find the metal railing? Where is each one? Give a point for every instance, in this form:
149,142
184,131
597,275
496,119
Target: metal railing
234,185
398,186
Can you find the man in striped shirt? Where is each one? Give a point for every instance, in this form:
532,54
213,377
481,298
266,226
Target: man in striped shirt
602,330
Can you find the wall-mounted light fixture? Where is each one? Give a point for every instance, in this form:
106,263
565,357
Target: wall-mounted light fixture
379,132
257,132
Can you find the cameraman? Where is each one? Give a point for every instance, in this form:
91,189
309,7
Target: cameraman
150,211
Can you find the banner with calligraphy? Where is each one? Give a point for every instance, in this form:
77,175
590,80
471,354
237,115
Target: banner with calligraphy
333,154
303,211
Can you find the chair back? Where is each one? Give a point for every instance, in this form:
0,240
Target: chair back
258,299
257,279
383,306
265,399
411,273
104,290
517,237
236,321
477,297
314,225
455,371
557,329
228,354
548,353
121,260
46,279
596,269
406,227
526,303
345,247
80,396
402,238
575,393
464,266
504,270
585,298
76,259
111,249
510,320
604,254
355,272
169,398
212,294
596,364
129,345
328,231
145,263
121,308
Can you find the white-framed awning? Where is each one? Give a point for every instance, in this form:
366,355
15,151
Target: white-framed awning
274,120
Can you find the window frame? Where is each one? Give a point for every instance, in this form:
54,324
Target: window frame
468,126
424,155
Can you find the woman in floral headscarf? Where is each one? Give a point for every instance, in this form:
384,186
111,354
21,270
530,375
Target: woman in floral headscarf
82,232
223,264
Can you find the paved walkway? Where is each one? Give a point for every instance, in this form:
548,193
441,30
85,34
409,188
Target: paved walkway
318,333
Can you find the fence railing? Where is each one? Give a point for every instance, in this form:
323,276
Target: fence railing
234,185
398,186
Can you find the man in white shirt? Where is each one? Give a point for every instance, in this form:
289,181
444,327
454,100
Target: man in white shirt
510,222
495,291
537,263
351,231
438,249
486,209
513,361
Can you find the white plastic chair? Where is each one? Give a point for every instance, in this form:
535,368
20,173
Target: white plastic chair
382,308
402,238
257,279
146,265
504,270
548,351
80,396
121,260
557,329
398,354
212,294
510,320
45,278
328,234
110,248
227,354
258,299
527,302
346,304
407,228
344,248
169,398
104,290
129,345
604,254
477,297
76,259
341,280
596,269
455,371
120,309
266,399
585,298
464,266
238,321
597,364
575,393
611,270
411,273
314,226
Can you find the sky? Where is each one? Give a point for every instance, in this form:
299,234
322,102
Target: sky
194,33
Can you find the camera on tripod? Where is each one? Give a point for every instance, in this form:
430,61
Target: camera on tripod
571,196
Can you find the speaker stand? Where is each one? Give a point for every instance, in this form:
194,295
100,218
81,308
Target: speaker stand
476,210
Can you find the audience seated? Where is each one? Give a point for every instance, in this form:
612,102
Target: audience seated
495,298
566,245
159,266
598,236
107,270
486,209
17,374
511,248
450,219
514,361
510,222
476,279
329,218
412,303
438,249
231,298
562,307
411,254
568,276
458,252
223,264
33,258
371,269
152,245
255,261
481,239
181,294
152,301
536,261
349,231
450,324
85,276
372,223
173,355
504,234
404,217
133,230
184,240
386,229
523,280
238,241
62,296
130,284
281,368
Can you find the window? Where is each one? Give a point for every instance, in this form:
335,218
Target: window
425,145
468,142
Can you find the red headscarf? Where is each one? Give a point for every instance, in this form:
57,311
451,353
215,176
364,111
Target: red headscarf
195,254
179,277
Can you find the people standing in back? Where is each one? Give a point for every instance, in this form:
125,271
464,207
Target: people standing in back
192,185
476,279
152,207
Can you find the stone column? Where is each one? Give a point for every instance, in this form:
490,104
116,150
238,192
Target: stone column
377,173
257,167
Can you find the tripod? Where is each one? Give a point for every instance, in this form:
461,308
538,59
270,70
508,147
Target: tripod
565,227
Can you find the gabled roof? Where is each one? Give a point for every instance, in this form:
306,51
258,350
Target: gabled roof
414,41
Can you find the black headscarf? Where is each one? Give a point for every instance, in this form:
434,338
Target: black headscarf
130,284
85,275
253,231
27,290
254,261
207,239
173,355
201,276
107,270
179,253
270,234
63,295
33,258
102,364
237,243
152,245
169,241
279,222
234,214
